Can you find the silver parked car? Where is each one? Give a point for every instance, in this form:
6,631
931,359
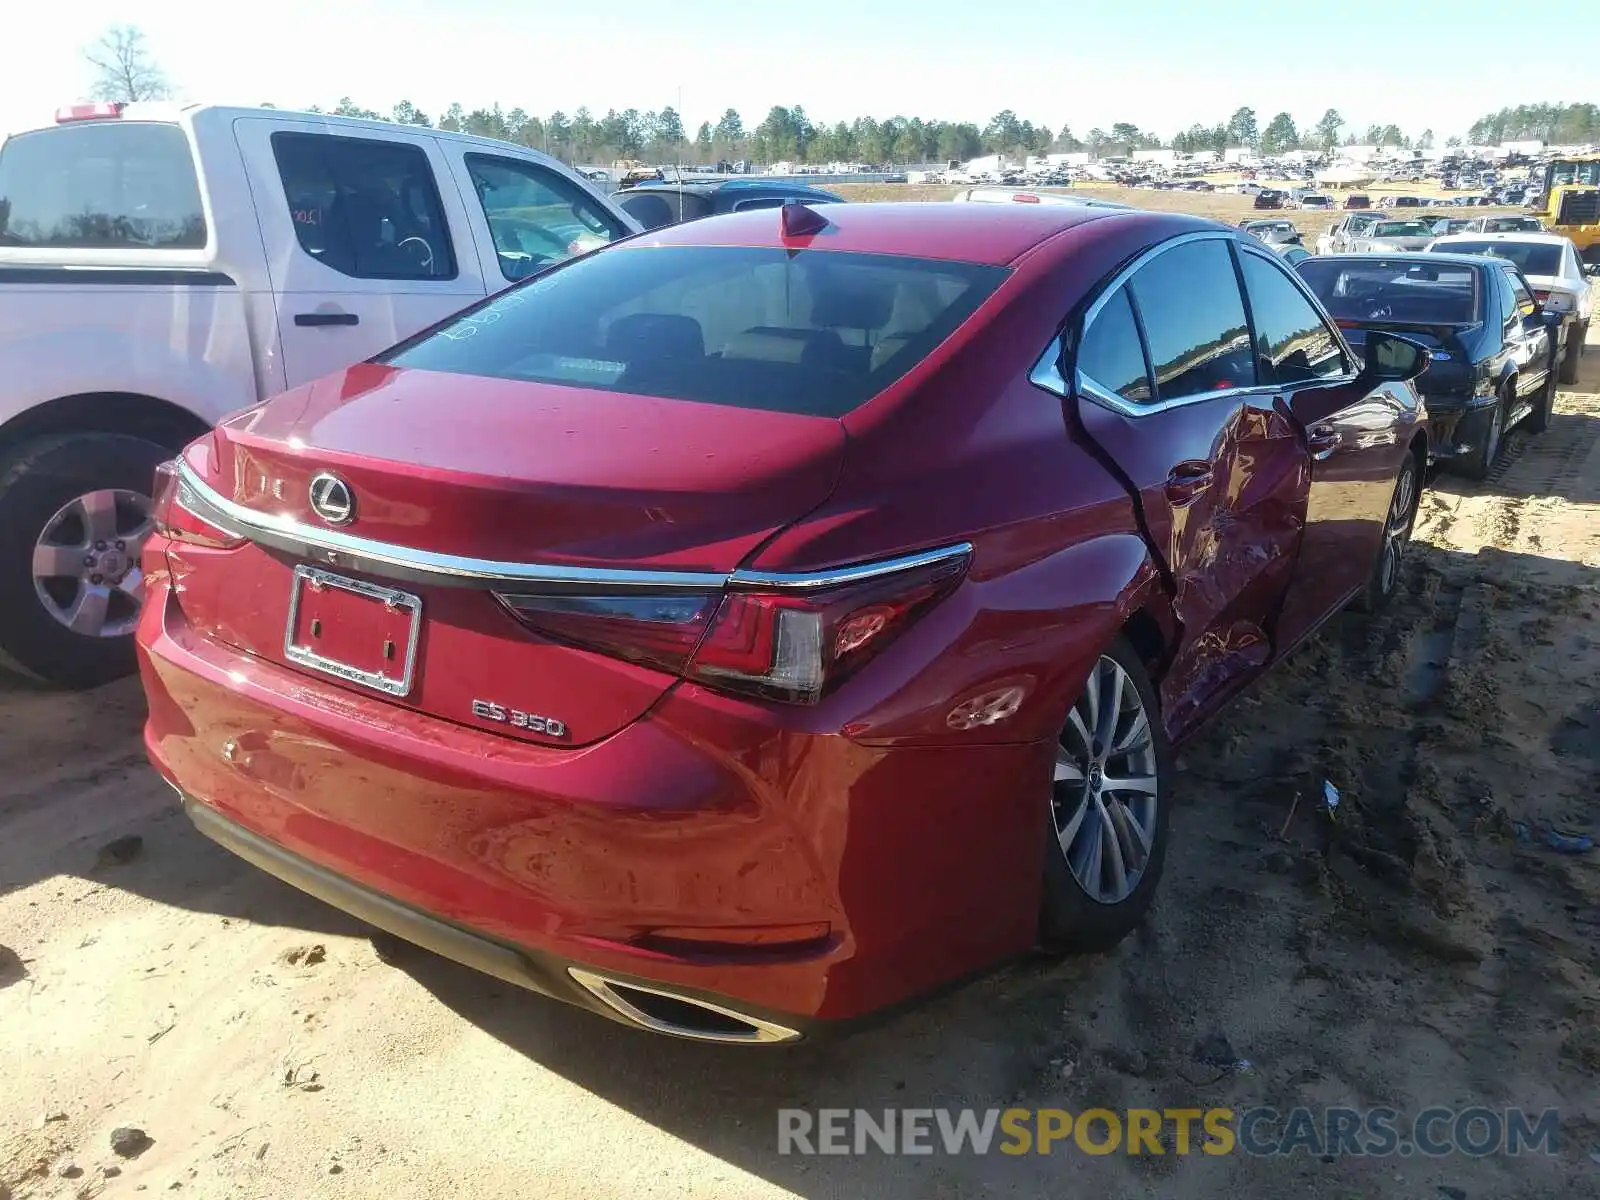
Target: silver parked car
1387,237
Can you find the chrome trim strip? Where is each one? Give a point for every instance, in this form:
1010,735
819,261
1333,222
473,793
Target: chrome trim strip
762,1032
810,581
348,552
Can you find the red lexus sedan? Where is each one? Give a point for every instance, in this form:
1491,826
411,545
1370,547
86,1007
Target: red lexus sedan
771,618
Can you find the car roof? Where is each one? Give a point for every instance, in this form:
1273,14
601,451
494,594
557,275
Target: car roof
173,113
1481,261
1524,235
705,187
997,234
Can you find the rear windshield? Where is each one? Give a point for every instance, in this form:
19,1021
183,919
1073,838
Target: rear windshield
1512,225
103,185
810,331
1385,229
1535,258
1393,291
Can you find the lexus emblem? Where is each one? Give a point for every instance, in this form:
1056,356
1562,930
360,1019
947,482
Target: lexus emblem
332,500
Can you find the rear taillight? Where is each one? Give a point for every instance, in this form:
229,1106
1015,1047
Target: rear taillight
792,639
177,520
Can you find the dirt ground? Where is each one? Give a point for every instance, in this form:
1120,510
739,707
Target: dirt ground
1220,206
1422,946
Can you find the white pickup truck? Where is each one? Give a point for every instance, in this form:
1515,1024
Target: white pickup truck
161,267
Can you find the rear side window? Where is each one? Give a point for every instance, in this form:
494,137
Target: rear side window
1188,298
653,209
536,217
1293,342
1520,295
811,331
364,207
1111,355
106,185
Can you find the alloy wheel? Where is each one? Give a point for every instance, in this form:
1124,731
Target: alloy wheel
1397,526
86,562
1105,788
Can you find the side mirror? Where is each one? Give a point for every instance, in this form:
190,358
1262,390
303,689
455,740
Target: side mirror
1592,270
1393,359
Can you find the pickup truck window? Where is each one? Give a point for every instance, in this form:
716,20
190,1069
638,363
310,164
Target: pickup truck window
364,207
104,185
535,217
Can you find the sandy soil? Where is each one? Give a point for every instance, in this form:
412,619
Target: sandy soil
1410,951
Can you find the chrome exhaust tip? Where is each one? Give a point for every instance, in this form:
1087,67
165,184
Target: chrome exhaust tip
681,1016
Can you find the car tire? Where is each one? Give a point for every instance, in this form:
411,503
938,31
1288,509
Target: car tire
1092,828
1544,407
65,505
1482,460
1577,338
1401,517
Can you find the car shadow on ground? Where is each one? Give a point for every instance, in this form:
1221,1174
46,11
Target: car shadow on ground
81,804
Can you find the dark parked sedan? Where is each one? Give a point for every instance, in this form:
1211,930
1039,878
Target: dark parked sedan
1490,343
760,623
660,204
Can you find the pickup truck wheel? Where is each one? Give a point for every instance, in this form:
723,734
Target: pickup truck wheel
74,516
1577,337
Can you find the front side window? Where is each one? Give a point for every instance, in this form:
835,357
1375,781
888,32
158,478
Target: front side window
1111,355
102,185
1293,342
363,207
814,332
1194,324
536,217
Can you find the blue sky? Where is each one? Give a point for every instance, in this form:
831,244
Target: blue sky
1162,64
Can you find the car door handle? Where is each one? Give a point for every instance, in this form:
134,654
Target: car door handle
326,318
1322,440
1188,480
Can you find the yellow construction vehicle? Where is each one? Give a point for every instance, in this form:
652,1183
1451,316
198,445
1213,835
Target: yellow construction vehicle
1571,203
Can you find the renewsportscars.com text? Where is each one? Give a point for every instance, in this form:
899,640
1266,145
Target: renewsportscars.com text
1261,1131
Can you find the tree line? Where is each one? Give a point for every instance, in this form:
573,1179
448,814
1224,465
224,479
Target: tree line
1558,124
787,134
124,69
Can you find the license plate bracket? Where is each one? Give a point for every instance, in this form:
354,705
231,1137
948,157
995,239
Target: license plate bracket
353,630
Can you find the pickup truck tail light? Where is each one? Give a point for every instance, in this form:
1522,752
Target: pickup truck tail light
177,521
776,643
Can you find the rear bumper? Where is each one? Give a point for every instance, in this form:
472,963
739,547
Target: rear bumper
703,850
539,972
1457,428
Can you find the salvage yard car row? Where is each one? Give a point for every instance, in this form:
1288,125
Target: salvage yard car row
635,617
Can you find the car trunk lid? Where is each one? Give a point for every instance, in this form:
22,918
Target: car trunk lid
1449,366
457,485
